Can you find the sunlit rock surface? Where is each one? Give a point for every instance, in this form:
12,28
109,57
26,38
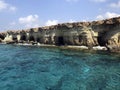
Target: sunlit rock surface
97,33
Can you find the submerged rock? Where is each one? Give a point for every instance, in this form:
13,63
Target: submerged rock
113,48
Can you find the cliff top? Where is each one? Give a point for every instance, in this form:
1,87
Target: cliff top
110,21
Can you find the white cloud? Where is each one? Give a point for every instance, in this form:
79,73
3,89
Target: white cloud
99,1
6,7
107,15
100,17
29,21
111,15
51,22
115,5
71,21
12,8
3,5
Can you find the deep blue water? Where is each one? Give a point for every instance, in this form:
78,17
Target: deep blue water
37,68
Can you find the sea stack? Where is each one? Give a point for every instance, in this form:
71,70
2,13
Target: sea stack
104,33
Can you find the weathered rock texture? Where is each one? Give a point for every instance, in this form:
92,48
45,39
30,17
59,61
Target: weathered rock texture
96,33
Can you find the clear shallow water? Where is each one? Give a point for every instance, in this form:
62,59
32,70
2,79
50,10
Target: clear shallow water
35,68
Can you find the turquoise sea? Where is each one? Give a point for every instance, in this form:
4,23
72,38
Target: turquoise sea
40,68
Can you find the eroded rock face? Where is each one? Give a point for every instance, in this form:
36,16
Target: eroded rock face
96,33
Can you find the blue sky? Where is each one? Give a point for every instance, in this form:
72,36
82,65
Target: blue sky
22,14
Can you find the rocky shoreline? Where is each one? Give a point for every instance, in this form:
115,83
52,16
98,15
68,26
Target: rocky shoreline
96,35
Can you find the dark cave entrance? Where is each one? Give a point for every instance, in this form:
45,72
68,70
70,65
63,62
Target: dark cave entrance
101,39
31,38
38,39
23,38
14,38
80,38
60,41
2,37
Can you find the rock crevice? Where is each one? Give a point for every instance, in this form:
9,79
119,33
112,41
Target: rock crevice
97,33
